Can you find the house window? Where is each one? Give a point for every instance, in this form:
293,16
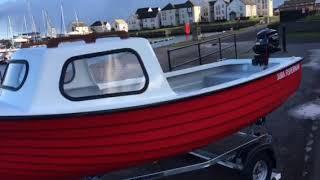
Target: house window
189,9
105,74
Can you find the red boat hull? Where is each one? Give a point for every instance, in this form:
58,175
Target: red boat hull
76,146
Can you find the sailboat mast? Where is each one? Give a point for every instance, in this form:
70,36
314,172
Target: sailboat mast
44,23
33,24
11,30
63,25
76,16
25,24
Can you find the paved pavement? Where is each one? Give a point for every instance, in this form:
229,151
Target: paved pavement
295,125
296,139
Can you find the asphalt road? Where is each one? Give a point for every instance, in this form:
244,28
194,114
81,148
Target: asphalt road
295,137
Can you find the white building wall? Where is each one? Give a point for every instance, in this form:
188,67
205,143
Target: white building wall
251,10
196,14
108,27
220,10
120,26
190,15
103,28
237,7
265,7
185,15
205,12
134,23
169,18
151,23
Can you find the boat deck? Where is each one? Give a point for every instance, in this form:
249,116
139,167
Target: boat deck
198,80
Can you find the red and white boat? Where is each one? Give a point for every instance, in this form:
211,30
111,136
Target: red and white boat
85,109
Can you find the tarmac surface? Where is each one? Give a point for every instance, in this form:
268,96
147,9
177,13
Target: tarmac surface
294,126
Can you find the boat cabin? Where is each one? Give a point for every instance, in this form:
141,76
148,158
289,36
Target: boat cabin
109,74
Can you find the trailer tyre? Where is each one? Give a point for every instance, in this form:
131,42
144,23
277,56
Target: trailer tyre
258,168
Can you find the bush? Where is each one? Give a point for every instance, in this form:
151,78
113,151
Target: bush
223,25
274,25
227,26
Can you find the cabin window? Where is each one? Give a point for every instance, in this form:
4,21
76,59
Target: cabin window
15,75
106,74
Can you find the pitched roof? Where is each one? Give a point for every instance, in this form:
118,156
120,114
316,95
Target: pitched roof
187,4
168,7
144,13
249,2
211,3
120,21
99,23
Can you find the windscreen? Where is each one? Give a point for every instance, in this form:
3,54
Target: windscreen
15,75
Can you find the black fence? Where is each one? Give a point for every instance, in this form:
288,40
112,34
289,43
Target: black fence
200,57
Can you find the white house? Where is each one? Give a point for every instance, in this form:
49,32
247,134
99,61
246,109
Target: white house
101,26
188,12
169,16
120,25
264,8
205,11
239,8
134,23
317,5
79,28
149,17
220,10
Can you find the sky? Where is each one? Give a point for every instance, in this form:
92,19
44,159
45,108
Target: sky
87,10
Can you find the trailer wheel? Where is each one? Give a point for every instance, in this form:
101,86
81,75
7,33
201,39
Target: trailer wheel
258,168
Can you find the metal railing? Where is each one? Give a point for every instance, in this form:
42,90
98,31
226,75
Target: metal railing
201,57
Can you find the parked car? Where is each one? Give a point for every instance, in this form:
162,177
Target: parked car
267,40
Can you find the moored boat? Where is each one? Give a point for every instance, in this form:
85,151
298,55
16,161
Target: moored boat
82,109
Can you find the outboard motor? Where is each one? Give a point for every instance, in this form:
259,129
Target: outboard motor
267,42
269,37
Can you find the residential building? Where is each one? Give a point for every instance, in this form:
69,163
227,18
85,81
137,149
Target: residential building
241,8
264,8
188,12
101,26
79,28
220,10
211,5
169,16
134,23
317,5
205,11
120,25
149,17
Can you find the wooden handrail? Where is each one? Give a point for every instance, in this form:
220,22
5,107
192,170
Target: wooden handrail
88,38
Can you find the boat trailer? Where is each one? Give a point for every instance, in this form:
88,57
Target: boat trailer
250,152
